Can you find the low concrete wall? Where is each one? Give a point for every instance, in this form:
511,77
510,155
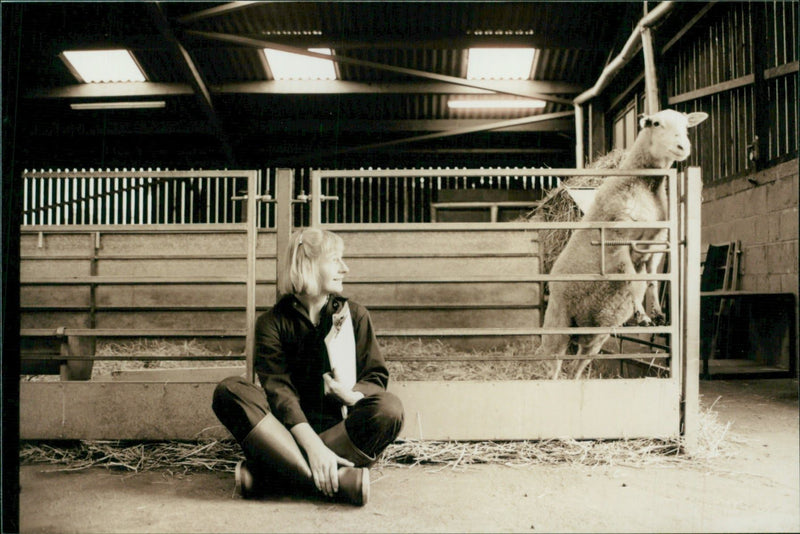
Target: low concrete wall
435,410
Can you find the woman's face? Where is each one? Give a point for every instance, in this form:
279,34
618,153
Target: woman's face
332,270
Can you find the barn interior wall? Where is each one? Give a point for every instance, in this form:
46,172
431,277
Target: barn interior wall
759,210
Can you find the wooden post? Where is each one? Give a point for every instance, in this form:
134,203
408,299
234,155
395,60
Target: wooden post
283,216
578,136
650,76
692,192
316,200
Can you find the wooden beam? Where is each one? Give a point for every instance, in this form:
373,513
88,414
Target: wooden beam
347,87
285,127
230,7
112,90
454,41
256,43
291,87
712,89
782,70
498,150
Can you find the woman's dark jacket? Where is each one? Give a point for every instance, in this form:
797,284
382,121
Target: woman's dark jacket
291,358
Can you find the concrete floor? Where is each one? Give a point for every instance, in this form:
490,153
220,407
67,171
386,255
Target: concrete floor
756,490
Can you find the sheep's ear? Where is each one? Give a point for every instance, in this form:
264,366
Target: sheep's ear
644,121
696,118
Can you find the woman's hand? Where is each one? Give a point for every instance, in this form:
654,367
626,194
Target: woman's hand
336,389
324,463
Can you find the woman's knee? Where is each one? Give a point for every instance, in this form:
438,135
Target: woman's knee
227,391
390,407
384,407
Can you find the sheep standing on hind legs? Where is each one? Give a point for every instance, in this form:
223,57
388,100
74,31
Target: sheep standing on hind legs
662,140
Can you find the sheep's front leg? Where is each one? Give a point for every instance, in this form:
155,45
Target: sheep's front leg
654,265
635,292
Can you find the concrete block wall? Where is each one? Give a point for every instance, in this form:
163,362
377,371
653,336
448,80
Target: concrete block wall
761,211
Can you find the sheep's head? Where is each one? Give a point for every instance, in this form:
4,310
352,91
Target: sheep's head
668,135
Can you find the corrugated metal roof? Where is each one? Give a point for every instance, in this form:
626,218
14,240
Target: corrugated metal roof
574,40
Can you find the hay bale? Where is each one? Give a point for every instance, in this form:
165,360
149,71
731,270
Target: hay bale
559,206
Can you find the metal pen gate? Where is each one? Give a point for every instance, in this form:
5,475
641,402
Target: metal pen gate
519,410
590,409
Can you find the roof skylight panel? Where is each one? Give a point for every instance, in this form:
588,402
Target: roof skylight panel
290,66
99,66
500,63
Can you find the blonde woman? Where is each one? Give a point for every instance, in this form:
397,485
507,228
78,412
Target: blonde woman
322,413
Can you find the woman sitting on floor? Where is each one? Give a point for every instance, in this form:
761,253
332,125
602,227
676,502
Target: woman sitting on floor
322,413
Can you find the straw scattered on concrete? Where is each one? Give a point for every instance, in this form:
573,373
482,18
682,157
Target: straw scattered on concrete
174,457
715,441
180,458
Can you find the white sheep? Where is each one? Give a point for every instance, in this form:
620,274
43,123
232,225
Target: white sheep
662,140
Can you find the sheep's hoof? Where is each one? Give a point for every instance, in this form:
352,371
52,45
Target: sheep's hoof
659,319
642,319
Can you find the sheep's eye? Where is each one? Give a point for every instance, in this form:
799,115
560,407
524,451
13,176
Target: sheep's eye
656,123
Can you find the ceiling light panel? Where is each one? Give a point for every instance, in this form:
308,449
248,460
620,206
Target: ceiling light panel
500,63
496,104
97,66
152,104
289,66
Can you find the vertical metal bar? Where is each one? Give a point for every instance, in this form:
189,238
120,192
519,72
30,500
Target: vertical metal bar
396,199
49,200
316,199
183,202
208,200
107,198
126,195
386,185
59,200
252,239
91,200
361,199
26,183
74,199
370,207
165,202
691,312
677,227
226,197
149,200
602,250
